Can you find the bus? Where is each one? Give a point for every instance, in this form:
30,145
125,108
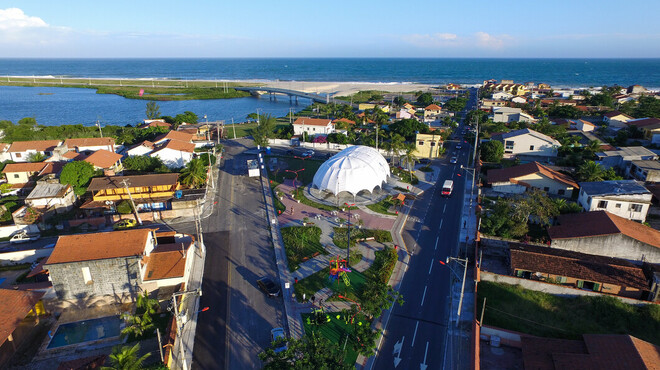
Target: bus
447,187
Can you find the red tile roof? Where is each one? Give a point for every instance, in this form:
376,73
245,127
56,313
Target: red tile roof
577,265
98,246
346,120
176,135
616,113
89,141
25,167
644,122
103,158
16,304
433,107
37,145
181,146
609,351
166,261
510,174
598,223
156,124
312,121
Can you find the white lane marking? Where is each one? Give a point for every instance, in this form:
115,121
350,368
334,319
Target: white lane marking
423,296
431,267
423,365
440,224
414,335
436,243
443,209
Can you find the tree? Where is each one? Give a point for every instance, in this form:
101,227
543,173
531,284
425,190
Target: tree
589,171
312,351
36,157
264,130
143,163
410,158
408,128
187,117
425,99
126,358
141,322
77,174
492,151
194,174
399,101
648,107
153,110
455,104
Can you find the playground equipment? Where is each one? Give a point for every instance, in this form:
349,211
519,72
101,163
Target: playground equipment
338,268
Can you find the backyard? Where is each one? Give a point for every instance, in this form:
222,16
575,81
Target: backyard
527,311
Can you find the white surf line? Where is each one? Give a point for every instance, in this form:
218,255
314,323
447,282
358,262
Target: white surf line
423,296
414,335
430,268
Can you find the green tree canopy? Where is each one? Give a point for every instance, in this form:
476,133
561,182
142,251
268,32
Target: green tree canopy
187,117
77,174
143,163
408,128
194,174
648,107
126,358
425,99
153,110
312,351
492,151
456,104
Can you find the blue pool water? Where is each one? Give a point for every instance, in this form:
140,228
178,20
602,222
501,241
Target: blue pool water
86,331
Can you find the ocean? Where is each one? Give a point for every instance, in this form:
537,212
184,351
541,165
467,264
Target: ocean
56,106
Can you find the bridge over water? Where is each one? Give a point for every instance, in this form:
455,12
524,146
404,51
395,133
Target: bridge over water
318,98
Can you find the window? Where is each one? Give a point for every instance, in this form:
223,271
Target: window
635,208
18,155
561,191
602,204
432,143
421,142
508,145
87,275
16,176
546,189
561,279
531,147
618,205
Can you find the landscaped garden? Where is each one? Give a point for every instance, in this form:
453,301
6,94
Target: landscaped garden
514,308
338,330
340,236
384,205
301,243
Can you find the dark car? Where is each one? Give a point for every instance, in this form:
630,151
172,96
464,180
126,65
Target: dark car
268,286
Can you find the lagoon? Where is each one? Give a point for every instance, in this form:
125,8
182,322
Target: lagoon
58,105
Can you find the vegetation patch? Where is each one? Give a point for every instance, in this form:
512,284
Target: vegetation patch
514,308
340,236
383,206
301,243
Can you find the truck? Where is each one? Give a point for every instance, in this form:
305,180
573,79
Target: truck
447,187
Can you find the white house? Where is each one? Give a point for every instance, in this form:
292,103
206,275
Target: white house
528,142
533,175
518,100
174,153
501,95
583,125
624,198
506,114
142,148
48,195
404,114
88,145
174,135
313,126
20,151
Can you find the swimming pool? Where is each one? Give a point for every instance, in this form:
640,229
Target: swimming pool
86,331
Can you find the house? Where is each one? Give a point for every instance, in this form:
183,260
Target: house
578,270
518,100
593,351
428,145
4,154
20,151
585,126
109,162
649,126
622,158
624,198
21,173
366,106
500,95
404,114
517,179
313,126
174,135
59,197
432,112
528,142
647,171
636,89
142,148
148,123
506,86
118,263
90,144
616,119
174,153
149,192
506,114
604,234
19,315
488,103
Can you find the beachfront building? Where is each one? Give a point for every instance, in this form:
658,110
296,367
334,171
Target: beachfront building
313,126
88,145
21,151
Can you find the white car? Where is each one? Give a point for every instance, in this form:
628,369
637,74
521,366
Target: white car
23,237
275,336
453,160
309,153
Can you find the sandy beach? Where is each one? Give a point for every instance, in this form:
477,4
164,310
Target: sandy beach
345,88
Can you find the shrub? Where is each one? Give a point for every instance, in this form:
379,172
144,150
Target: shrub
124,207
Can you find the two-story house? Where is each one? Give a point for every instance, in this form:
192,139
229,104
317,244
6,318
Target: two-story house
428,145
313,126
432,113
174,153
528,142
150,192
21,151
118,263
646,171
517,179
507,114
22,173
88,145
649,126
625,198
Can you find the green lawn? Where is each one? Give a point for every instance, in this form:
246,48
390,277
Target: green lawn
337,331
245,129
511,307
308,167
301,243
320,279
383,206
340,236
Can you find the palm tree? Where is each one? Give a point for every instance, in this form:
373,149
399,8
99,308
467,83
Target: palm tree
126,358
410,158
589,171
397,143
194,175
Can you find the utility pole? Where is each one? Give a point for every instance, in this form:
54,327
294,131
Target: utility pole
125,183
233,126
98,124
465,264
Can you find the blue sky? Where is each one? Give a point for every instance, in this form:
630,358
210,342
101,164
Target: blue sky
292,28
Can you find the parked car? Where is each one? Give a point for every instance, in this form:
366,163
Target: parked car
459,146
309,153
453,160
124,224
23,237
268,286
275,336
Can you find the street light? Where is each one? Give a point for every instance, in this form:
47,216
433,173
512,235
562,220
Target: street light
465,264
348,247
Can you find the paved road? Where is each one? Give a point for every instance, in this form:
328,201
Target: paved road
237,327
415,337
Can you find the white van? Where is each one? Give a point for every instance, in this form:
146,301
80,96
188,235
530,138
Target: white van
447,187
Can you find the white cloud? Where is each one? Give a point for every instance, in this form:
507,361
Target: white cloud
431,40
488,41
14,18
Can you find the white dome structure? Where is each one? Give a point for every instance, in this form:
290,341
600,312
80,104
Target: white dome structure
353,170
